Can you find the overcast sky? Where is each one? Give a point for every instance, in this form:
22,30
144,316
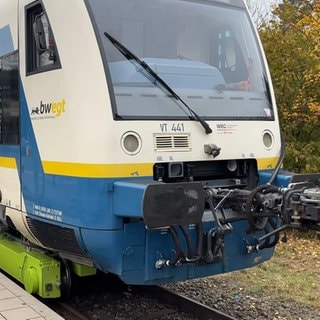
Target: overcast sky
261,9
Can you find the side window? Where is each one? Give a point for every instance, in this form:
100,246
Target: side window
9,99
42,53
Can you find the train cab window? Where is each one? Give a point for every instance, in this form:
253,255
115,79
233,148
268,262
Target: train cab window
42,52
229,58
9,99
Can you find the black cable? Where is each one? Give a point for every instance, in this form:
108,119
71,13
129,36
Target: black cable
179,252
267,243
280,160
209,256
188,241
198,253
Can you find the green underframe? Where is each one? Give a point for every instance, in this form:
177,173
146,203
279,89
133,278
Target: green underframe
39,273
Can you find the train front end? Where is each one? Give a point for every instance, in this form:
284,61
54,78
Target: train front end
140,138
195,122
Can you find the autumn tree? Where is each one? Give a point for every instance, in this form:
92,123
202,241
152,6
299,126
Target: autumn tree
291,42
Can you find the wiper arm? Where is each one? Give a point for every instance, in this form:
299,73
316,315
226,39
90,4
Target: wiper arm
131,56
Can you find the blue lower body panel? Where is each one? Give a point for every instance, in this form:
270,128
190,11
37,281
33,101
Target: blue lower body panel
132,254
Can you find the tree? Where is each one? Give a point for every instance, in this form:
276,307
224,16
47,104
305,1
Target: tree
259,10
291,42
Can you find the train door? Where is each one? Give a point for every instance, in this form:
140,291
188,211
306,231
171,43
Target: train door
37,61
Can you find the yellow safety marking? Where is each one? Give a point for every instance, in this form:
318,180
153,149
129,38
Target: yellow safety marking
86,170
267,163
6,162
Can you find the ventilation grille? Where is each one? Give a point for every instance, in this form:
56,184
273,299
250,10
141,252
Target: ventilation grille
177,142
55,237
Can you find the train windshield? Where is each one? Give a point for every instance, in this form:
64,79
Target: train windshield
206,51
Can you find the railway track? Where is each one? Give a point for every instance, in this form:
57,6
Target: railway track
187,305
65,310
137,303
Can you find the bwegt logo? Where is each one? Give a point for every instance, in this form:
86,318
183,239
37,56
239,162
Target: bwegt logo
55,108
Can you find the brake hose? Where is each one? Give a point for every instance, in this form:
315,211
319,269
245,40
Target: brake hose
280,160
179,252
258,226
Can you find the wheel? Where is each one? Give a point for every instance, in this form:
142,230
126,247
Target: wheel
66,279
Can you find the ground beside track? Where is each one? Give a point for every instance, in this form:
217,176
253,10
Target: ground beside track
285,288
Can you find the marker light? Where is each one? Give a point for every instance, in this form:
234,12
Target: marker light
268,139
131,143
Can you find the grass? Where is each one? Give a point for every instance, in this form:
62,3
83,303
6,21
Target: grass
292,274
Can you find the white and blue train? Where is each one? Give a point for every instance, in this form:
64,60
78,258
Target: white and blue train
140,138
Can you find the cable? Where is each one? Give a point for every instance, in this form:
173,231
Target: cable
179,252
280,160
188,240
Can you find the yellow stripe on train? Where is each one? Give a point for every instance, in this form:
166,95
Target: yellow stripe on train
86,170
6,162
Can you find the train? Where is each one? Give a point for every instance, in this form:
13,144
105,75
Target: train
139,138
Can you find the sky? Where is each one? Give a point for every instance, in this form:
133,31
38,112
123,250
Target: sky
261,9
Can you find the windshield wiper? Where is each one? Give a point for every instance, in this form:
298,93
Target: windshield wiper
130,56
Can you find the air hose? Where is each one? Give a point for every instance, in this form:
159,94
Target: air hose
258,224
191,258
267,243
280,160
179,252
